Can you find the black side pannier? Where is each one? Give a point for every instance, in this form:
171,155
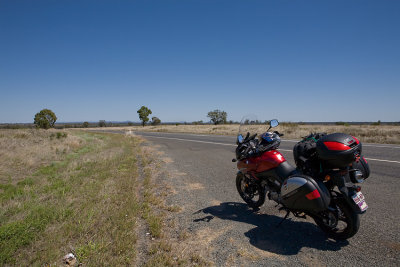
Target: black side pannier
300,192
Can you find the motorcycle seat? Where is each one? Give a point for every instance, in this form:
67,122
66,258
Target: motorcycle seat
285,170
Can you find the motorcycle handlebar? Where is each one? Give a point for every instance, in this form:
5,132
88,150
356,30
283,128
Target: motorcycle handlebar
253,136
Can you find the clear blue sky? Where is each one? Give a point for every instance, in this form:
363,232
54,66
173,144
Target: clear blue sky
291,60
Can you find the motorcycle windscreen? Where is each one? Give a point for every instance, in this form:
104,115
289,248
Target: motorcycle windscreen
249,125
302,193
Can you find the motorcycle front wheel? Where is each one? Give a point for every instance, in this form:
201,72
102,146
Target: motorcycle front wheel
250,191
339,223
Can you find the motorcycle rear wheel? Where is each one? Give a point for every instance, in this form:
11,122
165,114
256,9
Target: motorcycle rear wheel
345,221
250,191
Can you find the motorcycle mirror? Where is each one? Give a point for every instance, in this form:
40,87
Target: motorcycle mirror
240,139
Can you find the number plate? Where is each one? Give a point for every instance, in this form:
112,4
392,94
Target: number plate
359,199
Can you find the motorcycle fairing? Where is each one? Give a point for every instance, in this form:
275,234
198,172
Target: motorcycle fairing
266,161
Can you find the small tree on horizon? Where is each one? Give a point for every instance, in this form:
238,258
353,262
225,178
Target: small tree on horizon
144,113
217,116
102,123
45,119
155,121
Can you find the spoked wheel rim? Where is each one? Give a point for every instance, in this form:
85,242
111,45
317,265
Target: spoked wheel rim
341,223
336,221
250,191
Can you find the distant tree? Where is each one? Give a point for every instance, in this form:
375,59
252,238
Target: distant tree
377,123
217,116
102,123
144,113
155,121
197,122
130,123
45,119
85,124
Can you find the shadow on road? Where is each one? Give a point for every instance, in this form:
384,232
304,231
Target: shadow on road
287,239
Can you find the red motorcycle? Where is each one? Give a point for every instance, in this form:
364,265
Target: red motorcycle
323,185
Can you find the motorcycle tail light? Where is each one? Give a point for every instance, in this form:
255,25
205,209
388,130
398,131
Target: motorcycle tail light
313,195
327,178
358,188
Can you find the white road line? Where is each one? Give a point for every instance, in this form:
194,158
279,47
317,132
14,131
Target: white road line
383,160
224,144
189,140
384,146
283,140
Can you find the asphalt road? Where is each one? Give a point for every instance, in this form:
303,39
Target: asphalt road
203,178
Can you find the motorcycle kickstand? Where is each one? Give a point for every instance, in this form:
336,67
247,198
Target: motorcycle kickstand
284,218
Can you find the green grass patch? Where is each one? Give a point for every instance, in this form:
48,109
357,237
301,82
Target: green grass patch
21,233
10,191
83,252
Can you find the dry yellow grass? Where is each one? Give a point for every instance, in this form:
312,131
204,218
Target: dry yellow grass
387,134
22,152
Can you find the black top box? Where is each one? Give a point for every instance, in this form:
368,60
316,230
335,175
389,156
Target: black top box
338,150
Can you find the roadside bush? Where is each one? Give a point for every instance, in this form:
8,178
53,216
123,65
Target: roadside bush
58,135
342,123
155,121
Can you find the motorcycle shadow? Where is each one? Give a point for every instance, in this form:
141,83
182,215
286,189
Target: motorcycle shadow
287,239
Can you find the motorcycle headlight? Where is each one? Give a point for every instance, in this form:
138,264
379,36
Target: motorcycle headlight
356,176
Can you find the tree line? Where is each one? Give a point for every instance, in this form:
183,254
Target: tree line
46,119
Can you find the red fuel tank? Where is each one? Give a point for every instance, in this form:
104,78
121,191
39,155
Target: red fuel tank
266,161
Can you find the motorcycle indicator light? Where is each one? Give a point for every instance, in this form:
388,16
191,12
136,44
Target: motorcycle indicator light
358,188
327,178
313,195
357,141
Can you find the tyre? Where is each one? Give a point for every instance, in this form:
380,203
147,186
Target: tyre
342,223
250,191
